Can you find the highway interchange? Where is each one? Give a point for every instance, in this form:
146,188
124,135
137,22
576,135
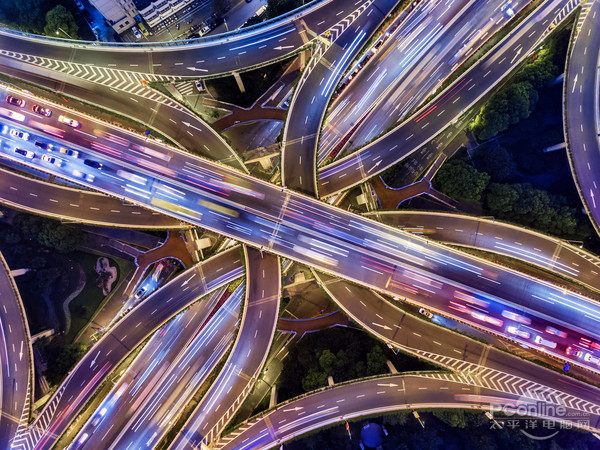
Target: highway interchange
187,189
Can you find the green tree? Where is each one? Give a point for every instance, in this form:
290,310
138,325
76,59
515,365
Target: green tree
62,238
495,160
61,360
27,15
314,380
505,108
276,8
376,361
60,22
453,417
327,361
461,181
500,199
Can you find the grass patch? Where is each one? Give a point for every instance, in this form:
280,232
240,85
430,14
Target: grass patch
84,306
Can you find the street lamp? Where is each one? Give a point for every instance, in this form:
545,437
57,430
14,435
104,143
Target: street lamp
59,28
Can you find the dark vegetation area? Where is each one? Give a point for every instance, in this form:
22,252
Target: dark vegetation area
40,16
48,248
256,82
448,430
517,99
40,245
511,176
343,353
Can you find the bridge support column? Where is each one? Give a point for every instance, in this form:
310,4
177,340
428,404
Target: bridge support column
239,82
273,400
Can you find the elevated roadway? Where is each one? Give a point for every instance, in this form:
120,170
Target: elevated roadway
89,373
499,237
433,118
291,225
312,94
407,67
375,396
77,205
154,415
582,97
162,350
16,364
224,53
478,363
243,367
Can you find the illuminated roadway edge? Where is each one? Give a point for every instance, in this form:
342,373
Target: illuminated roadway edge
180,59
374,397
124,336
580,110
550,252
14,406
76,204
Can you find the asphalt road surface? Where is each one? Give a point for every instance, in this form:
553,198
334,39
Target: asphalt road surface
16,367
582,93
259,321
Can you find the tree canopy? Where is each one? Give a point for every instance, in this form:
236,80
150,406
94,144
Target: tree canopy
460,180
60,22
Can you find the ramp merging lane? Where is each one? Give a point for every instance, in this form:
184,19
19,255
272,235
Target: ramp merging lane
477,363
401,392
161,351
224,53
499,237
154,416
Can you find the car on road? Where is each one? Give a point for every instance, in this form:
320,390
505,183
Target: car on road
591,358
69,152
517,332
44,145
92,163
15,101
41,110
53,160
545,342
19,134
79,5
140,293
204,30
24,153
137,33
82,440
83,176
555,332
426,313
98,417
67,121
572,351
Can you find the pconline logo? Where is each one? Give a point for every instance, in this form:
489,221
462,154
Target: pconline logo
540,415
